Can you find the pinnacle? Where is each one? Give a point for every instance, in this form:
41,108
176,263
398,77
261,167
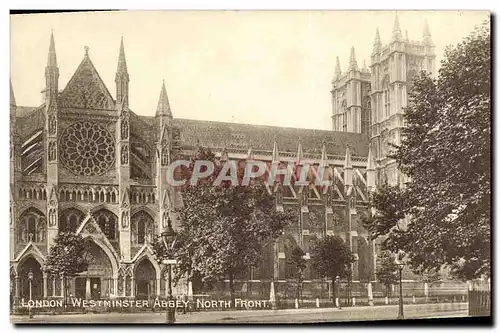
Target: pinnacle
52,58
122,62
353,65
163,108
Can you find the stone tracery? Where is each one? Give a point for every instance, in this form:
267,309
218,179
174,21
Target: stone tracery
87,149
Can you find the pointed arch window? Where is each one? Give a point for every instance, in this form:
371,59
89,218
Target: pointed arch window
32,226
386,93
344,116
142,228
70,219
108,223
141,232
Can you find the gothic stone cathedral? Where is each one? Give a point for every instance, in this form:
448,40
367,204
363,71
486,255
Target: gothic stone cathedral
84,161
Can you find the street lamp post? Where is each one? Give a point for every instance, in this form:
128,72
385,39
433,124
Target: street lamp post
30,279
168,237
401,265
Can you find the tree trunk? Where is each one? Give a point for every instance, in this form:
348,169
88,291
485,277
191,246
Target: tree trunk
299,279
334,292
231,287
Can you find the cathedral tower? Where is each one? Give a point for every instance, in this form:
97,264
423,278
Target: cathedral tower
350,98
393,67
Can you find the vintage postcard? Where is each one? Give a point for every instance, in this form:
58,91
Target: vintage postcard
249,166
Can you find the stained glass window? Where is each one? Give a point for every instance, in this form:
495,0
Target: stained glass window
87,149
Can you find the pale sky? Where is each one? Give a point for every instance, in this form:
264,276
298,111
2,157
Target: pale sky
267,67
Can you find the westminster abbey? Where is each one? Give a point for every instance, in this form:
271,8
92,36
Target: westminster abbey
83,161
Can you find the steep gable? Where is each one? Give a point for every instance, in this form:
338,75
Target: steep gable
86,90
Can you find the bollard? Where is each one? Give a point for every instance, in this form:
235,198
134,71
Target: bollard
370,294
337,302
317,302
386,300
354,301
296,303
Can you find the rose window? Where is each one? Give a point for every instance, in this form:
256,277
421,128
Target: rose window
87,149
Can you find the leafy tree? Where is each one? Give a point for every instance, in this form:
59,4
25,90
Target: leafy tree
387,273
331,257
67,257
224,228
297,260
445,151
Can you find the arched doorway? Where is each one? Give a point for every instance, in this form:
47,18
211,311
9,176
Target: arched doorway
145,280
33,266
97,281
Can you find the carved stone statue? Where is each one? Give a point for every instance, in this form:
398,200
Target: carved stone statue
124,155
52,124
164,220
41,230
52,151
52,217
125,219
124,129
164,156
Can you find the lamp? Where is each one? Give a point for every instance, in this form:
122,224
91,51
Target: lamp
401,264
30,279
168,236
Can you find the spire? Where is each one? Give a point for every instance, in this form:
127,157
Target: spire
406,36
324,158
353,65
12,97
163,108
300,154
338,72
52,58
371,162
276,156
51,74
364,66
224,156
121,77
370,170
122,62
396,30
377,44
427,34
347,168
347,162
250,154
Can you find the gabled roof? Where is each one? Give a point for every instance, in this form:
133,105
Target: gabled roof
86,89
32,249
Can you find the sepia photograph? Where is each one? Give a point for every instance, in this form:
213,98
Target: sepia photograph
241,167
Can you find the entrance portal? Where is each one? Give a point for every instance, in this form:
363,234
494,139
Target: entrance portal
145,277
95,288
99,274
30,265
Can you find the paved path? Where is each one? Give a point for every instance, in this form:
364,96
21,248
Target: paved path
263,316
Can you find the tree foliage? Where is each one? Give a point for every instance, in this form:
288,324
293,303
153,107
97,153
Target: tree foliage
445,151
297,260
387,272
223,229
331,257
67,255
